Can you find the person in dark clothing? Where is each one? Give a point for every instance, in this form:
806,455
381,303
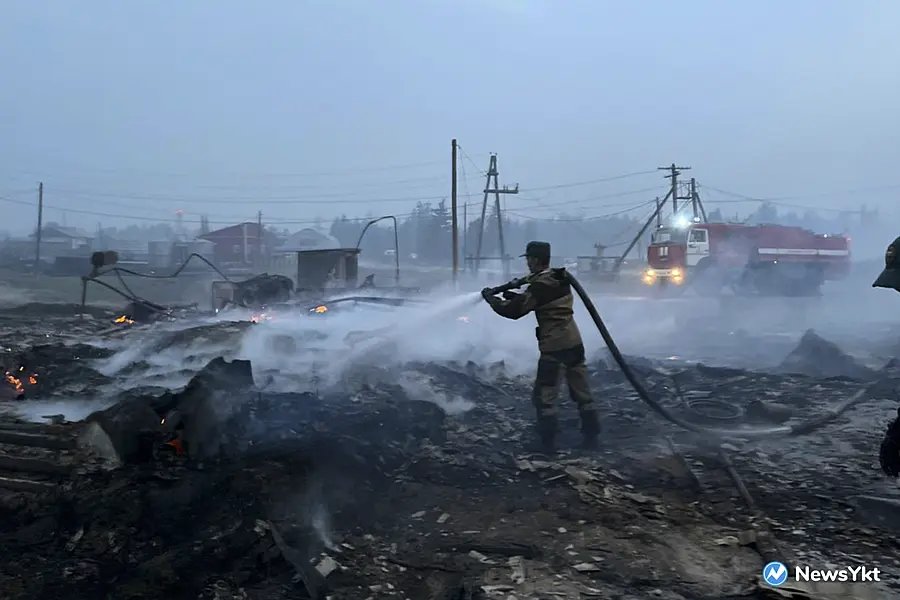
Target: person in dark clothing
549,296
890,276
889,452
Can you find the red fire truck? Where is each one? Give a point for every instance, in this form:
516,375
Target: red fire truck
754,259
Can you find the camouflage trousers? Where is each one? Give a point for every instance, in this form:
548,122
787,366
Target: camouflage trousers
551,367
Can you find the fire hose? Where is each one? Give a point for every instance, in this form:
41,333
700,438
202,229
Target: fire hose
803,428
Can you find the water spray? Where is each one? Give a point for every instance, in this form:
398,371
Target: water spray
803,428
369,342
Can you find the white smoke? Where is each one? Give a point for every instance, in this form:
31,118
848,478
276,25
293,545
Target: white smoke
299,352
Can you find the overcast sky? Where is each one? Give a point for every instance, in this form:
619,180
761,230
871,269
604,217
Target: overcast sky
137,109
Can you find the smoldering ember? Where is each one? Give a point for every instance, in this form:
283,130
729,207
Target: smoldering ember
268,457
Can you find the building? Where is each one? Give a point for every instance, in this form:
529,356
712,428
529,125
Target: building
128,250
72,237
63,241
241,244
308,239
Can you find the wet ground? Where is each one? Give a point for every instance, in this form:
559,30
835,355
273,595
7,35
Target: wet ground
408,476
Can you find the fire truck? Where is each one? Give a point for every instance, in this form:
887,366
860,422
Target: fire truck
748,259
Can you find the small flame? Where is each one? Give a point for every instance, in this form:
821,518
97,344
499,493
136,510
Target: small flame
17,383
124,319
20,389
176,444
320,309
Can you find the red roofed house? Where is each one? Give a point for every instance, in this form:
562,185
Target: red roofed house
239,244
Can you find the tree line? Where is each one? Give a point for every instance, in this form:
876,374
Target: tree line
426,234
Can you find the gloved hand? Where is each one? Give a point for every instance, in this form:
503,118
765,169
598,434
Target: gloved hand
509,295
889,453
487,294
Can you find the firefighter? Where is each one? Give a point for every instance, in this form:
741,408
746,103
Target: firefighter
890,276
889,453
549,295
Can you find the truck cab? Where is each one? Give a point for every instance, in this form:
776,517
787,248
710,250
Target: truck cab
674,251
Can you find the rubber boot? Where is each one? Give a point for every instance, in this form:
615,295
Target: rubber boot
590,430
546,434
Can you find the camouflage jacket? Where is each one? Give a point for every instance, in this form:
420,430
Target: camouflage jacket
549,296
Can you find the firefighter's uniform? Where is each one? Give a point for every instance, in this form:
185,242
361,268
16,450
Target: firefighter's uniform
549,296
889,453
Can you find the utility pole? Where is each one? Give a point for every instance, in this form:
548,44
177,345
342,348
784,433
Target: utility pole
637,238
694,197
658,214
259,233
454,224
698,204
674,172
465,240
496,190
40,227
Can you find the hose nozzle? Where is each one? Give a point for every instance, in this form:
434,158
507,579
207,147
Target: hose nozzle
510,285
559,273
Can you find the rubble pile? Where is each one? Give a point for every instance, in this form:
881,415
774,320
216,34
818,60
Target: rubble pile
44,349
411,481
817,357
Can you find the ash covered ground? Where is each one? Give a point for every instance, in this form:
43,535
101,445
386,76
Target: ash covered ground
397,468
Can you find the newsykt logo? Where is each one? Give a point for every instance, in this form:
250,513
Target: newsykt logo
775,573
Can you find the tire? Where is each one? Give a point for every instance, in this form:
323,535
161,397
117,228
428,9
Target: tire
706,280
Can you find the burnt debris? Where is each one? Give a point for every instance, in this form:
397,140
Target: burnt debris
817,357
410,481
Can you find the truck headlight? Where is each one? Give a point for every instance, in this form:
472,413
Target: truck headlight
649,276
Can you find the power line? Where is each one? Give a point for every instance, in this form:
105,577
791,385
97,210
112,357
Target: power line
193,173
601,197
405,183
570,184
740,198
131,207
302,221
284,221
324,198
582,219
292,199
408,183
248,218
465,156
618,241
591,181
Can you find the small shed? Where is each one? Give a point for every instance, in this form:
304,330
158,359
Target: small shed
320,269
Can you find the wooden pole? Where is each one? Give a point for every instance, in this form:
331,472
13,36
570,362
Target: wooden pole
40,227
259,234
453,209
